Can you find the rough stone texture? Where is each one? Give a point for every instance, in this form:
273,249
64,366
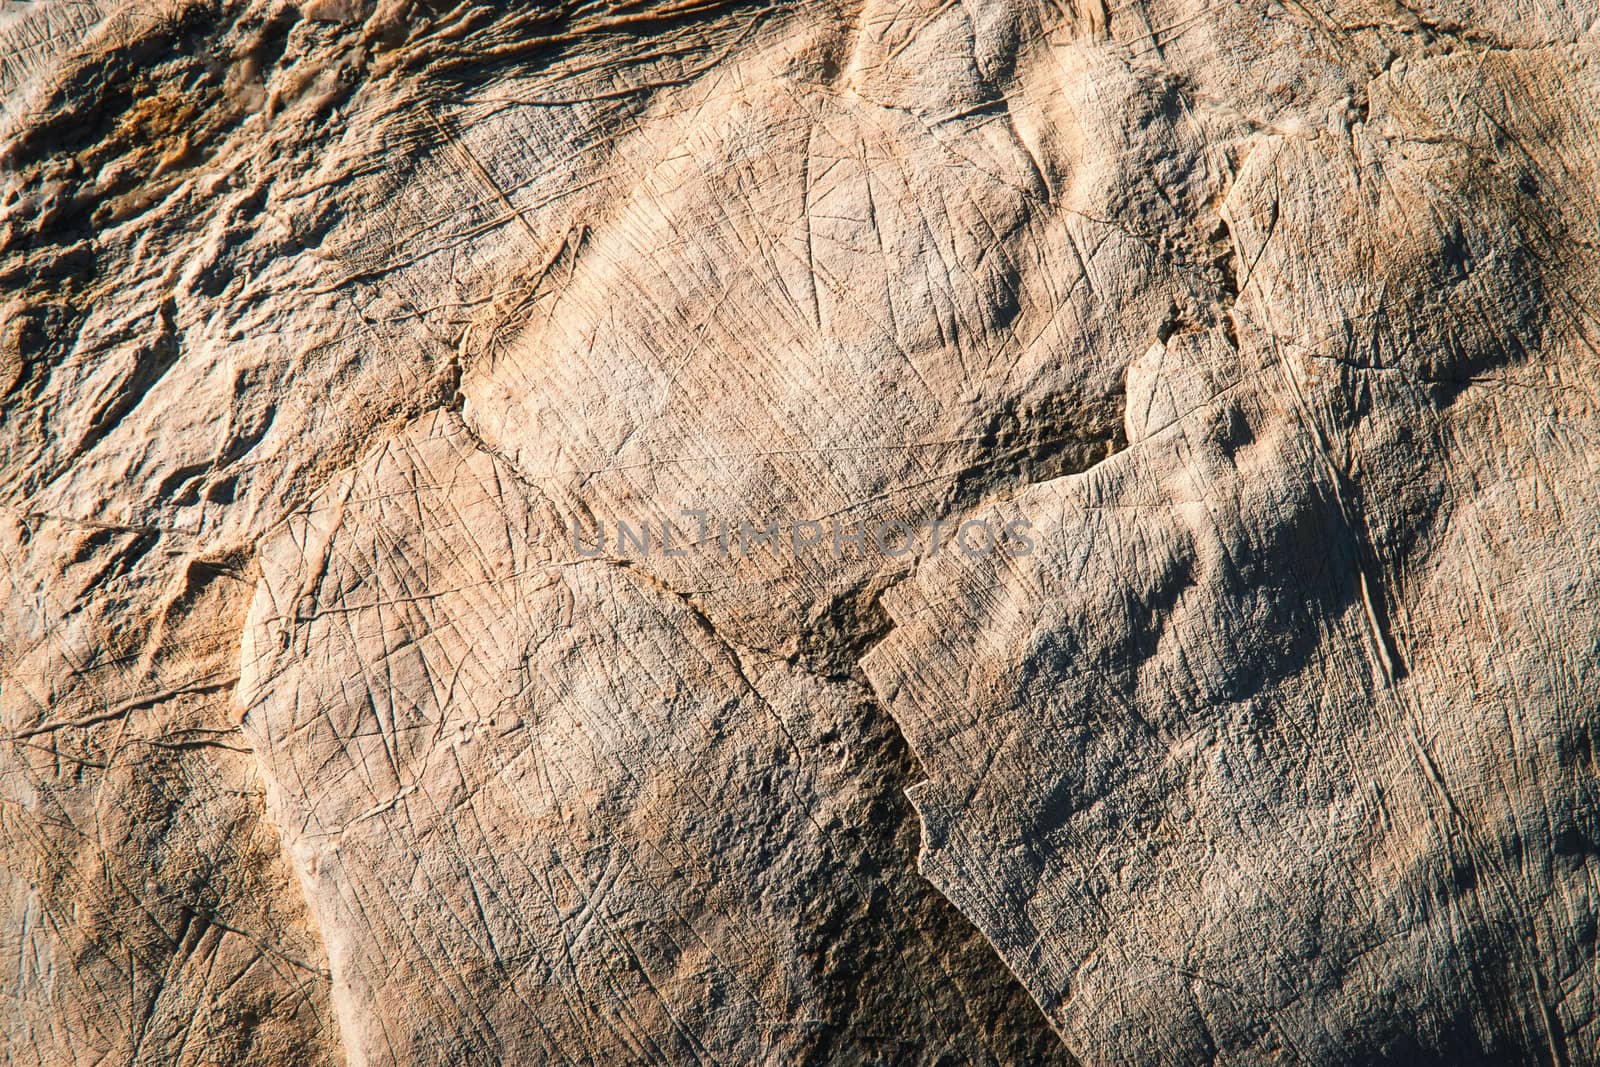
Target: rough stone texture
323,326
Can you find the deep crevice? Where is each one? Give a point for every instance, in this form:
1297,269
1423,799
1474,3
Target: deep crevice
1025,442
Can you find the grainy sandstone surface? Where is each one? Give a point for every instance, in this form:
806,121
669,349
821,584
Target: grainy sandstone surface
1270,326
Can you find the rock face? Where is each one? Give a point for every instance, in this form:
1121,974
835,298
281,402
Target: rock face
635,532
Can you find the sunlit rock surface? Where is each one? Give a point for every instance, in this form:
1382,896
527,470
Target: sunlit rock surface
446,455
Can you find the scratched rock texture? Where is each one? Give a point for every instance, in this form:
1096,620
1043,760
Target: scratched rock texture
323,325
